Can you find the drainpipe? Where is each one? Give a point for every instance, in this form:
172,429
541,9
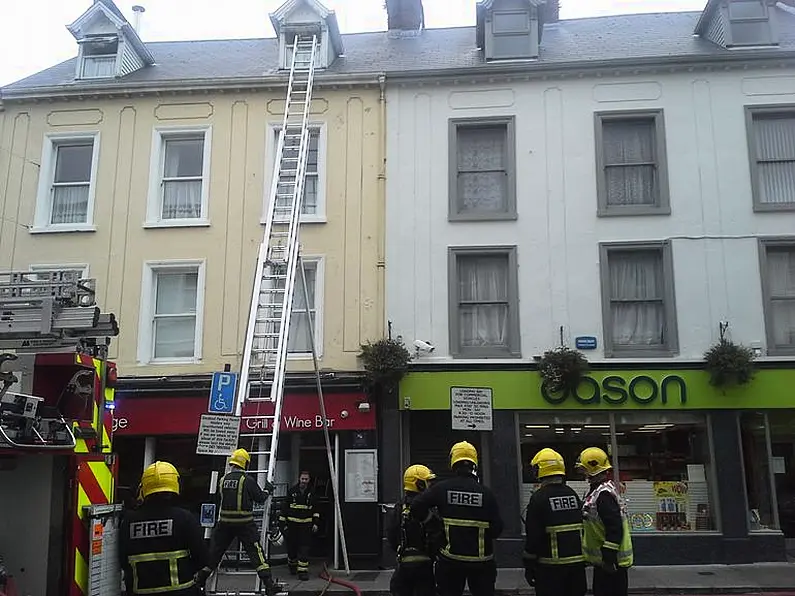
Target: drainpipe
381,225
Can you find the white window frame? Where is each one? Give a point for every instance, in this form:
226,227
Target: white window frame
81,63
43,214
146,336
154,203
318,263
270,148
83,268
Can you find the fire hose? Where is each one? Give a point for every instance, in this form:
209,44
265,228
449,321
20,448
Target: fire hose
325,574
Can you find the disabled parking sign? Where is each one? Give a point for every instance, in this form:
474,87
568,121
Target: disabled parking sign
222,393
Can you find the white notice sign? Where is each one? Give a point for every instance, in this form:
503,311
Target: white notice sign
471,408
218,434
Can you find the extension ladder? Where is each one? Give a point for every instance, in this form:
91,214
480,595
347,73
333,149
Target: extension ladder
264,364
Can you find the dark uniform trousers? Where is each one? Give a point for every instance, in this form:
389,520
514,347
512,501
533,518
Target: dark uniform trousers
610,584
471,519
553,541
238,493
297,517
413,580
161,547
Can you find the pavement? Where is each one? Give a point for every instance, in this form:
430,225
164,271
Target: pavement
770,579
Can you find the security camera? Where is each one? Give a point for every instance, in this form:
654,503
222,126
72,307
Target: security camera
364,406
423,346
344,414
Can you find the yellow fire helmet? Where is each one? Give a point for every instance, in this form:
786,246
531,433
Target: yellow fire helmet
159,477
240,458
548,462
594,461
417,477
463,451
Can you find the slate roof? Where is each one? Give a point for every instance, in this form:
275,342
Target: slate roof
570,42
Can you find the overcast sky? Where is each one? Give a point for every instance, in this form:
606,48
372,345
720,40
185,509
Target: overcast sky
33,35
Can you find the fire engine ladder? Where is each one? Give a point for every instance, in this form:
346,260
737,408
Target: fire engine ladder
264,363
45,311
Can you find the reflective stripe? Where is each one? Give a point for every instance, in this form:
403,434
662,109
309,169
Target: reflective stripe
297,506
467,523
300,520
611,545
173,558
415,559
241,483
562,560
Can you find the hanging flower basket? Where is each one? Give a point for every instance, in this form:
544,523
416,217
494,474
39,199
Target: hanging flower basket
562,369
385,361
729,364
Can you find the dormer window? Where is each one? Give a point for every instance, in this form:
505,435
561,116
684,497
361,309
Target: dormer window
749,23
303,56
98,56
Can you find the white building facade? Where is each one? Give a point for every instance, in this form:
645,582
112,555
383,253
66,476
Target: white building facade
625,186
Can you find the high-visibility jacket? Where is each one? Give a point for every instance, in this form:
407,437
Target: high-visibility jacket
470,516
299,507
161,547
415,541
238,492
605,525
553,526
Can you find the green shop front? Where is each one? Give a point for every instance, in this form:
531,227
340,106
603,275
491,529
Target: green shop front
708,475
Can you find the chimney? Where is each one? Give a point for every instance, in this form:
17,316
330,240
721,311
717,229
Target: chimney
405,17
138,10
550,11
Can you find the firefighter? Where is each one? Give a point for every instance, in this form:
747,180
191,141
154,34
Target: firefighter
414,541
607,544
471,521
237,494
161,546
298,521
554,562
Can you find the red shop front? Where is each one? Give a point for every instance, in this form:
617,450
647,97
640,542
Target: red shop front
162,427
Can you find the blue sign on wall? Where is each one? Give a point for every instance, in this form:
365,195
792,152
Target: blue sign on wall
585,342
222,393
207,519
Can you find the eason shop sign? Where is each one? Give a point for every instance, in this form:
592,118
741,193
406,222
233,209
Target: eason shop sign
617,390
601,390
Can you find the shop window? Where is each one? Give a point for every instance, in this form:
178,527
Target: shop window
568,434
782,443
664,464
758,480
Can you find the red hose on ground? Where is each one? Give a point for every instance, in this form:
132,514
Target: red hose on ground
10,589
340,582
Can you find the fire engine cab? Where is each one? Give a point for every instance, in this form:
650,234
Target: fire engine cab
57,469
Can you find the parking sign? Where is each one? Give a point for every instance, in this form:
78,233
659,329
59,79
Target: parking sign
222,393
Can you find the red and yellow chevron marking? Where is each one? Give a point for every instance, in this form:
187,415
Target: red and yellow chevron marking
95,486
96,474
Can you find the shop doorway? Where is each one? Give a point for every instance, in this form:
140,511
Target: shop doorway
312,458
782,442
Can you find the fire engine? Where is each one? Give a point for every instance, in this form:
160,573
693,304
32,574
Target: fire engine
57,468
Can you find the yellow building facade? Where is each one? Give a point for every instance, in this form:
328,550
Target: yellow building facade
160,189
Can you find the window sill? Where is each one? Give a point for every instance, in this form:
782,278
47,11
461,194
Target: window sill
302,356
773,207
630,212
169,361
65,229
178,223
486,356
641,354
478,217
305,219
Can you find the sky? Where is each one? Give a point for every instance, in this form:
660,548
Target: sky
33,33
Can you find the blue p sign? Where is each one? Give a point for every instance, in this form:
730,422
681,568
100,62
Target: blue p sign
222,393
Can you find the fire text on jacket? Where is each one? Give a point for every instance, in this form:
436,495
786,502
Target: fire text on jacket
563,503
152,529
455,497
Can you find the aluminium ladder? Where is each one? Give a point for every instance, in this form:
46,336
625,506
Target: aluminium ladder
264,364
